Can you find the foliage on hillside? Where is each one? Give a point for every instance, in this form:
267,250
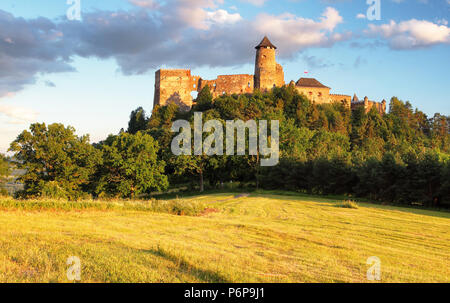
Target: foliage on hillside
402,156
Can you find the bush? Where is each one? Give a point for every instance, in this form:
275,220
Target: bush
177,207
348,204
52,190
3,192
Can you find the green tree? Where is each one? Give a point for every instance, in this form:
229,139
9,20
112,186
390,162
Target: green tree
138,121
55,154
4,166
130,166
4,173
204,100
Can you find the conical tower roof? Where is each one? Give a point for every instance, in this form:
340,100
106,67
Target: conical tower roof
265,43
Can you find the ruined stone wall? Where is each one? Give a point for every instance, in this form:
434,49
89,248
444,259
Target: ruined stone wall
229,84
267,72
279,76
345,99
175,86
368,105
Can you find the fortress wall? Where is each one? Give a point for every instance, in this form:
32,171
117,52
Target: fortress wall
234,84
368,105
318,95
175,86
279,76
347,100
229,84
377,105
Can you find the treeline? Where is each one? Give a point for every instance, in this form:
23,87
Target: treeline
402,156
60,164
4,173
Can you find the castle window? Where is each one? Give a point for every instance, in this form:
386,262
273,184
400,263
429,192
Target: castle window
310,93
214,84
194,85
320,94
248,84
223,93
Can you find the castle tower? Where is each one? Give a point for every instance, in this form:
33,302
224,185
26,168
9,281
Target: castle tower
268,73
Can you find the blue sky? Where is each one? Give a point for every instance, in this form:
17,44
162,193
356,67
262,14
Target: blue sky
92,73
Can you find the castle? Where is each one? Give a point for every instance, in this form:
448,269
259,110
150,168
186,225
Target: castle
176,85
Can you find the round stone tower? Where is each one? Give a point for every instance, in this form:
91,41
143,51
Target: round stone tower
267,72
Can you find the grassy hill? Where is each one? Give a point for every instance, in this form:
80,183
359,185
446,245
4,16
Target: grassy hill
262,237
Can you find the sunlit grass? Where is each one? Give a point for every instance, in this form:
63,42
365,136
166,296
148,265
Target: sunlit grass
259,238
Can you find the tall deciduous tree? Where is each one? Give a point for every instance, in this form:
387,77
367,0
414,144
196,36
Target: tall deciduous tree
54,156
130,166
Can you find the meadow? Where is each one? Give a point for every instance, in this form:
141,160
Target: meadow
222,237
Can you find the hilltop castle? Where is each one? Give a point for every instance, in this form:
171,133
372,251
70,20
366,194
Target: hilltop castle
176,85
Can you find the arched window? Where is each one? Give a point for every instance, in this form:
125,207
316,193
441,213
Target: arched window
248,84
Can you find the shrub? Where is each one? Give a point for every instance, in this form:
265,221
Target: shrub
52,190
3,192
178,207
348,204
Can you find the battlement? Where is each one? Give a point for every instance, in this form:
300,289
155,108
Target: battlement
368,105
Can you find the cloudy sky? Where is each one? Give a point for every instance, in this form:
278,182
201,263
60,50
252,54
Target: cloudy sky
91,73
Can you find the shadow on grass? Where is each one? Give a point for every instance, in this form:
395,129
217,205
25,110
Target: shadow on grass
208,276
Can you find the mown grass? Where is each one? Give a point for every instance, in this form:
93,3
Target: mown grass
174,206
257,238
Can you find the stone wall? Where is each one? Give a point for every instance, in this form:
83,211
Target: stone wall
345,99
318,95
229,84
175,86
368,105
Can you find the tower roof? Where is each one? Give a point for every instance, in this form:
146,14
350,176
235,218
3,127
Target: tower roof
265,43
309,82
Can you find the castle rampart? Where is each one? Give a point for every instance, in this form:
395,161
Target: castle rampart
229,84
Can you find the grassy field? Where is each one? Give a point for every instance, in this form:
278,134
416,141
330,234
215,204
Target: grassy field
262,237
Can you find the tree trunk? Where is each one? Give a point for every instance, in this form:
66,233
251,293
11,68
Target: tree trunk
201,182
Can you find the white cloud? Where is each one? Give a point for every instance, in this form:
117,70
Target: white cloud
295,33
256,2
18,114
361,16
182,33
411,34
149,4
442,21
221,16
